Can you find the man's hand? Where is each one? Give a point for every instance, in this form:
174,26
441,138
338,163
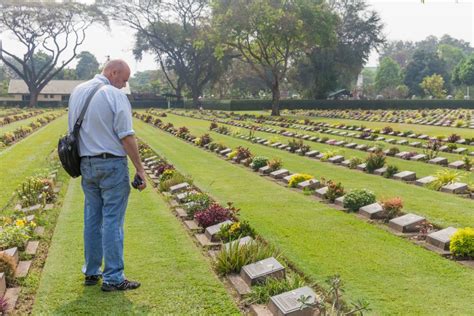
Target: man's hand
142,175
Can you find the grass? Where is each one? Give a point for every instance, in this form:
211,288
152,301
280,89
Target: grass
396,276
440,208
28,157
14,125
176,278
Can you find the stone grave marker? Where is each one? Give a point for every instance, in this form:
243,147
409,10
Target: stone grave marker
460,150
425,180
336,159
372,149
402,154
279,174
225,151
321,192
319,156
455,188
418,157
441,238
310,184
405,176
438,161
362,147
259,271
311,153
457,164
242,241
12,252
407,223
346,163
339,201
372,211
415,144
362,167
212,231
380,171
288,303
339,143
264,170
351,145
276,144
390,141
179,187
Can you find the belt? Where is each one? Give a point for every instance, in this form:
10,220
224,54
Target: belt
104,156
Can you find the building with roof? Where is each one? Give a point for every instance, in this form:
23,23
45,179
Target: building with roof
55,90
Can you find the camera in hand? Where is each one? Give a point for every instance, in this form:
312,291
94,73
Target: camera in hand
137,181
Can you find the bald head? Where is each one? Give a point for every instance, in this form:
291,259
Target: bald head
118,72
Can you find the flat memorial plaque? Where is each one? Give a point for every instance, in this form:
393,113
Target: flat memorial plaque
371,211
351,145
179,187
288,303
424,181
311,184
212,231
405,176
257,272
418,157
406,223
311,153
242,241
455,188
439,161
336,159
279,174
288,178
361,147
457,164
321,192
380,171
441,238
264,170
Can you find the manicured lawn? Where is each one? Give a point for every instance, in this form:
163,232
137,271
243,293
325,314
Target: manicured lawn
28,157
396,276
13,126
440,208
176,277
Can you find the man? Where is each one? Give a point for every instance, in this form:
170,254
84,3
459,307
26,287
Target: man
105,139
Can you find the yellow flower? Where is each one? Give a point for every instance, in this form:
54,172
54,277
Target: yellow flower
20,223
235,227
32,224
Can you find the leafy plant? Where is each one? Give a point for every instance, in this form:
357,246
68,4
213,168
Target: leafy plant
258,162
182,132
242,153
231,259
462,243
14,236
8,266
393,151
452,147
432,148
374,161
35,190
200,201
261,293
356,199
298,178
177,178
391,170
334,191
467,163
453,138
167,174
213,126
229,232
215,214
392,207
444,177
354,162
275,164
205,139
329,154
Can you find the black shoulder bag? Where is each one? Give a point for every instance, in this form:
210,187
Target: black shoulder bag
68,146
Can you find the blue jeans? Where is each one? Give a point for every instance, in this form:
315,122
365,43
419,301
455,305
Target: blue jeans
106,188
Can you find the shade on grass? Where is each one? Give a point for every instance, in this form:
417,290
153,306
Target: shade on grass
176,278
440,208
396,276
28,156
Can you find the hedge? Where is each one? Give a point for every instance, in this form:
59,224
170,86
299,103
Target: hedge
135,104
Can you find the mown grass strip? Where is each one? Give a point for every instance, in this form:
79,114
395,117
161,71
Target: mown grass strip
176,278
14,125
439,208
28,156
375,265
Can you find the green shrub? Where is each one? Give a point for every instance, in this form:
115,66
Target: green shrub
444,177
14,236
354,162
200,201
391,170
259,162
329,154
229,232
275,164
261,294
177,178
334,191
358,198
392,207
298,178
231,259
462,243
374,161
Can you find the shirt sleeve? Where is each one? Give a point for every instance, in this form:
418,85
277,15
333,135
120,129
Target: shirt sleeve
123,117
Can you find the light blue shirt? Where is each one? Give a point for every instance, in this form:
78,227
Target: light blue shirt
108,118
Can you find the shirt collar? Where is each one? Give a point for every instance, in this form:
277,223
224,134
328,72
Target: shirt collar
102,78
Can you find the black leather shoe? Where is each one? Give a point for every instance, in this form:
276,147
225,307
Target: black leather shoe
91,279
124,286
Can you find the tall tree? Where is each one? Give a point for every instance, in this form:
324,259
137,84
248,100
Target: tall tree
87,66
422,65
179,33
463,74
399,51
434,86
270,34
326,68
56,29
388,77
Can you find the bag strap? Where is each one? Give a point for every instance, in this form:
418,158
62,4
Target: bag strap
78,124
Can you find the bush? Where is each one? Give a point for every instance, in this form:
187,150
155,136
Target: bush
334,191
229,232
354,162
8,266
374,161
261,294
231,259
14,236
259,162
200,201
467,163
177,178
453,138
215,214
444,177
462,243
392,207
391,170
213,126
393,151
328,154
35,190
242,153
167,174
298,178
355,199
275,164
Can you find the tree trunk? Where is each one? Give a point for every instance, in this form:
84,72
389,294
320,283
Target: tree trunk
275,98
196,92
33,98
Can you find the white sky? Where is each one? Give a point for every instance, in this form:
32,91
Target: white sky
403,19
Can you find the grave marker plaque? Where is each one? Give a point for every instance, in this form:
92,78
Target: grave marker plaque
441,238
406,223
257,272
372,211
289,303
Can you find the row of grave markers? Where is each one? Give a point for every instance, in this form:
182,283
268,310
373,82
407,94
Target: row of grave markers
407,225
252,274
23,267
